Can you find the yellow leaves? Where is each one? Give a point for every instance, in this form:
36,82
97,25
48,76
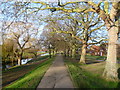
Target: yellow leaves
106,7
39,2
78,10
61,8
89,10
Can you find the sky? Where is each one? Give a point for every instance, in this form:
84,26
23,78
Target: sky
39,14
31,19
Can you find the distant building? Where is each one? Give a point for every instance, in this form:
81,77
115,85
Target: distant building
42,50
98,50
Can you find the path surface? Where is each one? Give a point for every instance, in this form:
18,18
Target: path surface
56,76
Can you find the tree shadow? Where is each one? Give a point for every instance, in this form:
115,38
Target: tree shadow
118,86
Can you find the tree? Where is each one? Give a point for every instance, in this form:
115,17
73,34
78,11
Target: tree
110,19
8,50
81,27
36,46
87,24
8,56
54,41
33,51
111,22
19,26
22,34
48,41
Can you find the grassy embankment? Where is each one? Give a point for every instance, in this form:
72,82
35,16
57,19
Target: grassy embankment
25,56
89,75
16,72
34,72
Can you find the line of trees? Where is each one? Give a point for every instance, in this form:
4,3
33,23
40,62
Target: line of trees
75,24
110,18
20,36
19,40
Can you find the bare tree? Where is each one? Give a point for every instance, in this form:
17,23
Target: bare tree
111,22
22,33
110,19
80,27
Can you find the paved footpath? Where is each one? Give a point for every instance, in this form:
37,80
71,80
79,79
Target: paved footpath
56,76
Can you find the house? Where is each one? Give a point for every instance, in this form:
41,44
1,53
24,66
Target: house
97,50
102,50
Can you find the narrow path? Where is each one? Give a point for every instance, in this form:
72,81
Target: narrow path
56,76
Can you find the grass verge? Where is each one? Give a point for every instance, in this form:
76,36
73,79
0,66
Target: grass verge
84,79
16,72
38,59
32,79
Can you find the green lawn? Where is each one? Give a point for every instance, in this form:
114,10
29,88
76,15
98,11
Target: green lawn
39,53
28,55
32,79
95,57
38,59
89,57
85,79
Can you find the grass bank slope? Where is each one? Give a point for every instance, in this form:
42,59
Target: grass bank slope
32,79
14,73
83,78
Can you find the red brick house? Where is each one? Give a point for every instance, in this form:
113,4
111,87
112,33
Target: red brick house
102,50
97,50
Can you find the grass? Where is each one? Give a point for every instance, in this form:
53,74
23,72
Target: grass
89,57
27,55
85,79
14,68
32,79
16,72
39,53
38,59
95,57
96,68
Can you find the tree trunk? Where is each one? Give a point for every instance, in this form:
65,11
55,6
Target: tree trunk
73,51
12,62
20,57
35,54
53,52
50,53
68,52
4,65
82,58
19,60
110,71
65,52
